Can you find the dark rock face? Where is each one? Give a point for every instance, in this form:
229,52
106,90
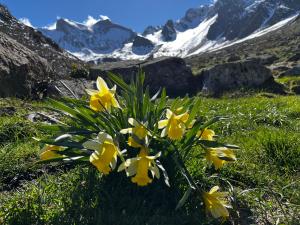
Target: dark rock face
240,18
296,89
294,71
150,30
295,57
233,76
171,73
60,60
21,70
73,88
264,59
168,31
142,46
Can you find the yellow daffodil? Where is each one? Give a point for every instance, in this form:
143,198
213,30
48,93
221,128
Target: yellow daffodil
139,133
215,203
206,134
219,156
105,153
50,152
140,167
103,98
174,126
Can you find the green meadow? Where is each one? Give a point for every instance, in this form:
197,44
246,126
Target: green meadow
264,182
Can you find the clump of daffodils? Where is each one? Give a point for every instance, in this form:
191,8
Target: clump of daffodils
131,132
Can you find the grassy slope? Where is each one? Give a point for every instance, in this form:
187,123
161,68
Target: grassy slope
267,129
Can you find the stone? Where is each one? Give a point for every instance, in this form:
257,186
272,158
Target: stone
21,70
237,75
169,72
294,71
295,57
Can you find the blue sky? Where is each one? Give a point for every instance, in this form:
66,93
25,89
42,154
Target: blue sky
136,14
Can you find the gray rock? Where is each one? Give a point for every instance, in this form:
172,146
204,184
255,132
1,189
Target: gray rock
74,88
294,71
234,76
168,31
172,73
233,58
295,57
142,46
21,70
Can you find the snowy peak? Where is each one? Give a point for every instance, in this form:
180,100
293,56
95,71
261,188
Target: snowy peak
101,36
201,29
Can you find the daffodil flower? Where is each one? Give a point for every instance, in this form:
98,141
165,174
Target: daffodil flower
215,203
206,134
174,126
140,166
219,156
103,98
139,133
105,153
50,152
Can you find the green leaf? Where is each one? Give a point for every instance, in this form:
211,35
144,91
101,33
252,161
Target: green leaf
120,82
215,144
184,198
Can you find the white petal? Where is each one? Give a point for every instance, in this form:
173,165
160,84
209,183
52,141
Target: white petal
126,131
104,137
133,122
101,84
169,113
91,92
163,133
94,145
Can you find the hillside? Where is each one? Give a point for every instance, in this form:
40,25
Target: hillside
59,60
283,44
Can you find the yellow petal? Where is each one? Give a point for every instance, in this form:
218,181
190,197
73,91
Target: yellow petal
162,124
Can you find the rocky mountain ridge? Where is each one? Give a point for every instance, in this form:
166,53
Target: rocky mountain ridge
202,29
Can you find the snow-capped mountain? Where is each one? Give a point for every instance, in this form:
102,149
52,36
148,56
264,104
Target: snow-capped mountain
205,28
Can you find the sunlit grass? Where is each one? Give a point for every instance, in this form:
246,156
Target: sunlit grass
265,179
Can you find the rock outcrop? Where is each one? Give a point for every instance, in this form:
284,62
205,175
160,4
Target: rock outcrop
168,31
21,70
172,73
237,75
141,45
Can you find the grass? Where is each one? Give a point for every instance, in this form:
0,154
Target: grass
265,177
290,82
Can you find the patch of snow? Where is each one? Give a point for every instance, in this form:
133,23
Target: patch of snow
186,40
26,22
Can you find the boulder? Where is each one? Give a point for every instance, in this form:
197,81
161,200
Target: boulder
21,70
237,75
294,71
172,73
233,58
295,57
264,59
74,88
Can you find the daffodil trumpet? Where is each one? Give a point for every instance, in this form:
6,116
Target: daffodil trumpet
104,98
216,203
139,133
140,166
174,126
219,156
105,154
